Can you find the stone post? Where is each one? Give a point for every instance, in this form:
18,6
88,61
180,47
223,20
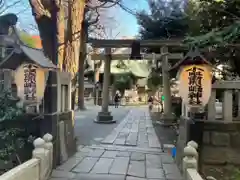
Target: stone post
210,178
49,146
96,79
195,146
238,95
105,116
50,122
167,117
39,153
227,105
7,79
189,160
212,106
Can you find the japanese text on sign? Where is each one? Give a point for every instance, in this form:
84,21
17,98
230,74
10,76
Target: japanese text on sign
30,82
195,84
195,76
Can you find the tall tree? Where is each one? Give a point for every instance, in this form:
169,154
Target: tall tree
165,20
64,19
220,30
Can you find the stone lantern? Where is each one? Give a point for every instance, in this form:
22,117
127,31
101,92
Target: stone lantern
30,65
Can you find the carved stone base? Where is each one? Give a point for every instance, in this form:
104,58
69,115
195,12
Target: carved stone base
167,120
104,118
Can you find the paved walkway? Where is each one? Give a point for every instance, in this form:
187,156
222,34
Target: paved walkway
84,120
131,152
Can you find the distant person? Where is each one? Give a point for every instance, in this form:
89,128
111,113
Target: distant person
150,102
117,99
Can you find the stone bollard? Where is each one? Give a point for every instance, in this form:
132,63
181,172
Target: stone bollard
49,147
189,160
195,146
210,178
39,153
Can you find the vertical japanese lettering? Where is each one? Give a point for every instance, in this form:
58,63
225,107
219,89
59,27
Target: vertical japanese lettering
195,76
30,82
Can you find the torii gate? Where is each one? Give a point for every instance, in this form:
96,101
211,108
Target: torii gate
105,116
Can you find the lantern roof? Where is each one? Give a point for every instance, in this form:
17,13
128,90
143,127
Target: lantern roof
17,52
24,54
192,57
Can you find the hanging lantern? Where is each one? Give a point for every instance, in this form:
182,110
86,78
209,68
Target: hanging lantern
136,51
195,79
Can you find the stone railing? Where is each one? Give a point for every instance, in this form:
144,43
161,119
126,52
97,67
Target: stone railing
224,110
190,163
37,168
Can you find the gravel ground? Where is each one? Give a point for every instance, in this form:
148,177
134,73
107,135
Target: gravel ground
166,135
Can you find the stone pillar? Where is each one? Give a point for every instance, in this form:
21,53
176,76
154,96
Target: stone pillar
105,116
7,79
96,80
167,117
49,124
189,160
238,96
212,106
227,105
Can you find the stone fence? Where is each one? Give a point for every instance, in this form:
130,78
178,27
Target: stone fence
37,168
190,163
228,88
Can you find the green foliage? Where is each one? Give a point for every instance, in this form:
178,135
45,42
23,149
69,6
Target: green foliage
236,174
11,139
217,37
219,23
154,80
8,107
122,81
219,26
27,39
166,20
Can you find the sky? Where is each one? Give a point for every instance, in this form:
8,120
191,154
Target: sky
125,24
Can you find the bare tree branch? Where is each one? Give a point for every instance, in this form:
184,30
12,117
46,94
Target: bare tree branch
4,6
95,20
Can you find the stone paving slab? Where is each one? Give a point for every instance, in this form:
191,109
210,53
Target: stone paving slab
122,162
110,154
132,130
137,169
63,174
99,177
70,163
136,156
128,148
86,165
102,166
120,166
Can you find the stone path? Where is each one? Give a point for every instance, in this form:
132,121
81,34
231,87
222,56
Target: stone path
135,130
131,152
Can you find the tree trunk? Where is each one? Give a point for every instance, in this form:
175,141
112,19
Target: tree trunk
76,16
82,58
46,17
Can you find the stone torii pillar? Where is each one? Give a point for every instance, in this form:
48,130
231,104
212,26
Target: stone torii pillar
104,116
167,117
